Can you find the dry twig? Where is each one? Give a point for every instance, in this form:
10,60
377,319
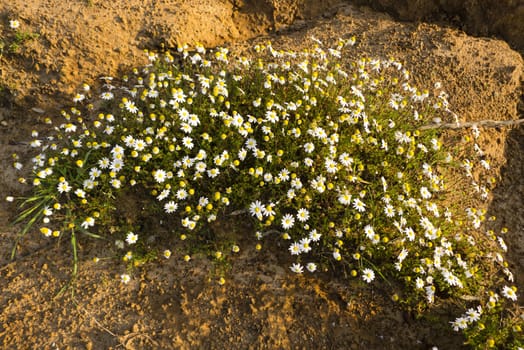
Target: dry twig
482,123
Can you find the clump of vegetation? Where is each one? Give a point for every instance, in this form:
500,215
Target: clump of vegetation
339,161
14,38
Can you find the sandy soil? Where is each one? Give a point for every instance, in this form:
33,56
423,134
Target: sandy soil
171,304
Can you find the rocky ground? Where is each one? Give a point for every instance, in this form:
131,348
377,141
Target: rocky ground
175,305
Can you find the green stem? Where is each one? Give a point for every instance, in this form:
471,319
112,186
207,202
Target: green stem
75,254
377,270
75,267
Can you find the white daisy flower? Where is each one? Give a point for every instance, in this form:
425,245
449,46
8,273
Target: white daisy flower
170,207
14,24
297,268
131,238
288,221
359,205
125,278
509,292
160,175
305,246
256,209
303,215
368,275
311,267
294,248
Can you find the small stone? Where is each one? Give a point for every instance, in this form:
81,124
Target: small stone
38,110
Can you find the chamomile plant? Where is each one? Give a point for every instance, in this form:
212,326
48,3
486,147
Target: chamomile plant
332,157
14,37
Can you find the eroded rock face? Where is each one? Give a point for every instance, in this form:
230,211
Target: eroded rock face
503,18
96,37
231,20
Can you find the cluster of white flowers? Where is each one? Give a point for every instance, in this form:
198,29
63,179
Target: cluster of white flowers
330,157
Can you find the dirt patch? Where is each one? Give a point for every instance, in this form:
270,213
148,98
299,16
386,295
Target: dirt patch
173,304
